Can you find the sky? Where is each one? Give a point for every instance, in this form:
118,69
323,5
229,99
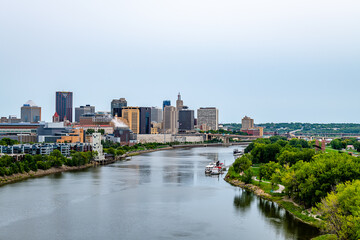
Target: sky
275,61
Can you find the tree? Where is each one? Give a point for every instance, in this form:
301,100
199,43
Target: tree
242,163
247,176
90,131
341,211
337,144
268,170
8,142
308,182
102,131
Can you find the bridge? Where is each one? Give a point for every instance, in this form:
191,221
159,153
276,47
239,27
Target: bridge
226,137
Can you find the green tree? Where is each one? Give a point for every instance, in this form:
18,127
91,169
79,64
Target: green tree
8,142
267,170
242,163
341,211
90,131
102,131
247,176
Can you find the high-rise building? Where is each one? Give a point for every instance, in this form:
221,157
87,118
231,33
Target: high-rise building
186,120
156,115
30,112
131,115
208,118
179,103
145,120
79,111
247,123
166,103
117,105
64,105
170,124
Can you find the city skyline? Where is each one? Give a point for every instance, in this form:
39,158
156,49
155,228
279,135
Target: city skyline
279,62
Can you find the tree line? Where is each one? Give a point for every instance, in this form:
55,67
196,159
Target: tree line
10,166
314,179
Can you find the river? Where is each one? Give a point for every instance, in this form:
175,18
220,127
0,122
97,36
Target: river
158,195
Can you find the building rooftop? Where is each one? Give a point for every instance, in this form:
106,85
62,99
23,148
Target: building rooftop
30,103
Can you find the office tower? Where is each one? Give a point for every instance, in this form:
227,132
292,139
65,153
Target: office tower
131,115
30,112
179,103
117,105
156,115
186,120
145,120
64,105
166,103
208,118
79,111
247,123
170,124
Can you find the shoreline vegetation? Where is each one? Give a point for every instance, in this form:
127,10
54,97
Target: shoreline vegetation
40,173
321,189
299,212
58,164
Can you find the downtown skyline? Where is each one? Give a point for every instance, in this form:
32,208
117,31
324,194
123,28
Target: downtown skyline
276,63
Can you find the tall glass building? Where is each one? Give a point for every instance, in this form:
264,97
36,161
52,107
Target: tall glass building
166,103
64,105
117,105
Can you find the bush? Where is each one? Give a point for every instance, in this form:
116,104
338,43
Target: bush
2,171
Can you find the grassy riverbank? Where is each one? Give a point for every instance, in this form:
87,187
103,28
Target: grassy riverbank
39,173
265,191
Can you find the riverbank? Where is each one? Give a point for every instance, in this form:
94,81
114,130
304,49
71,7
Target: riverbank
39,173
294,209
134,153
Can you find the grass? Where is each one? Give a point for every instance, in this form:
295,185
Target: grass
299,212
266,186
256,171
330,149
326,237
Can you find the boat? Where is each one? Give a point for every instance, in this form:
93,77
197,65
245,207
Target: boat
214,168
208,168
238,152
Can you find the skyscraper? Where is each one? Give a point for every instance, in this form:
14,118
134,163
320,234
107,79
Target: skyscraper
179,103
30,112
132,117
117,105
145,120
166,103
83,110
64,105
156,115
208,118
170,124
186,120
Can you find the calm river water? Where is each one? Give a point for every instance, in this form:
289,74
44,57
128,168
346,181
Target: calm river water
159,195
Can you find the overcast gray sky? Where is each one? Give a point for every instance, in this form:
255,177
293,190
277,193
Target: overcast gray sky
276,61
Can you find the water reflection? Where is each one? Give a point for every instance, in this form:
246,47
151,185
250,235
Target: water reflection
177,174
284,222
243,201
